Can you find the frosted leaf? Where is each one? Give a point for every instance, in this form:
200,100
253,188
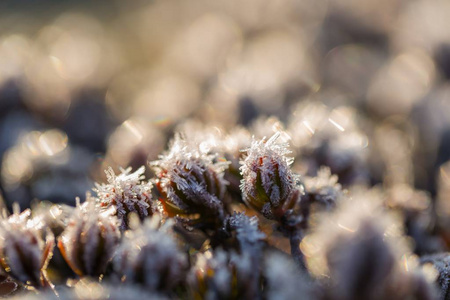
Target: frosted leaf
150,257
26,246
190,181
88,242
268,182
127,193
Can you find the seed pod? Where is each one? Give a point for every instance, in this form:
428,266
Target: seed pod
150,257
127,193
25,248
89,241
191,183
268,184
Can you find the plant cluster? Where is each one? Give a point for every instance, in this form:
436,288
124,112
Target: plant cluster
186,233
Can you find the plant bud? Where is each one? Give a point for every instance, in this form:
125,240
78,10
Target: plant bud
25,248
190,183
268,184
89,241
150,258
127,193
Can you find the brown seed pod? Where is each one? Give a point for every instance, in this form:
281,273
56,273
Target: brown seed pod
89,241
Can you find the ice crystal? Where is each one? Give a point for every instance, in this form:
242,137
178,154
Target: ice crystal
25,248
268,183
150,257
190,181
128,193
88,242
224,275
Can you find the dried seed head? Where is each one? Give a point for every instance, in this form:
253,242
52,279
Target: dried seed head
224,275
190,182
25,248
150,257
268,184
89,241
127,193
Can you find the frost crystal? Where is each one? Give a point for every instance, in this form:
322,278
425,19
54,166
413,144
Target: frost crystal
90,238
190,181
128,193
268,183
25,248
150,257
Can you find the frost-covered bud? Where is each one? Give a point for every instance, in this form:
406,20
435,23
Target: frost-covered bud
224,275
360,252
190,183
25,248
127,193
150,257
268,184
89,241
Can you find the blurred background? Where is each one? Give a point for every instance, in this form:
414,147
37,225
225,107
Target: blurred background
359,86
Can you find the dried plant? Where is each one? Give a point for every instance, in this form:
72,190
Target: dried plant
89,241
